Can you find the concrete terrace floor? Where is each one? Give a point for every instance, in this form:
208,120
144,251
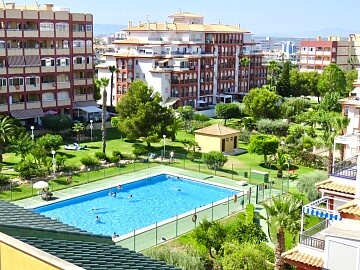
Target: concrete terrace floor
70,192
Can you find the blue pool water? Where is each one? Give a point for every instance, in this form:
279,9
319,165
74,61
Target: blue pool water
153,200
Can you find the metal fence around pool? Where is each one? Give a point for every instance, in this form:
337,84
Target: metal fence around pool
144,238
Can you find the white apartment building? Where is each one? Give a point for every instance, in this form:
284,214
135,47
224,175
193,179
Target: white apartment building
187,61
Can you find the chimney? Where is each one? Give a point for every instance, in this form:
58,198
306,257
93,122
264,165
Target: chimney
165,25
318,38
49,7
238,25
357,183
148,24
10,5
139,23
129,24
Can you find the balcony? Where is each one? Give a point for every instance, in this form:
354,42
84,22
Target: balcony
48,86
313,236
346,169
3,107
33,104
80,81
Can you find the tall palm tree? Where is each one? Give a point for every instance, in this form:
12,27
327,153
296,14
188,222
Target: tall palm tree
7,129
245,62
282,211
340,123
273,67
78,128
327,140
112,70
104,83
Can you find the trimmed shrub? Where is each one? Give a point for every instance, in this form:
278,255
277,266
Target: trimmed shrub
244,136
117,154
306,184
89,161
201,117
214,159
273,127
101,156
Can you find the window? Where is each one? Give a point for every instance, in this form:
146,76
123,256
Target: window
137,75
61,26
46,26
78,28
2,63
48,62
63,62
166,90
79,60
64,95
136,62
88,44
63,78
79,43
32,80
89,59
48,97
16,81
2,82
88,28
346,111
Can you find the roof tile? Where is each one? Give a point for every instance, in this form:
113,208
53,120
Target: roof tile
350,207
336,186
295,255
217,130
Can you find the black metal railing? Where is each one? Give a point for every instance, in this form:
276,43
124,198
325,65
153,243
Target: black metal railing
309,238
346,168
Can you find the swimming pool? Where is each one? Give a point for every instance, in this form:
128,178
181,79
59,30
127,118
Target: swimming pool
154,199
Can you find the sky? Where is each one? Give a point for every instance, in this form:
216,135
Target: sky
257,16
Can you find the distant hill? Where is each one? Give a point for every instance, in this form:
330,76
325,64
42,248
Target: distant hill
107,29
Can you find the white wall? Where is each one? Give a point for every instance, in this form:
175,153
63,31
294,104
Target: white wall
341,254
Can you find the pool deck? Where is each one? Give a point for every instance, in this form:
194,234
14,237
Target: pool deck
74,191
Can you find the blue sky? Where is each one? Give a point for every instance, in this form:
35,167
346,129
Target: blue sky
258,16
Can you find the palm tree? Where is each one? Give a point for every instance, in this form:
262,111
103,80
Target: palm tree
7,129
281,162
273,67
103,82
78,128
282,211
245,62
112,70
327,140
340,123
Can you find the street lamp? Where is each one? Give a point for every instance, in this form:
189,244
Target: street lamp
164,136
91,129
32,132
53,161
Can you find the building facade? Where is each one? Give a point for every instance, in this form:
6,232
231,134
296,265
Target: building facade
187,61
46,56
315,55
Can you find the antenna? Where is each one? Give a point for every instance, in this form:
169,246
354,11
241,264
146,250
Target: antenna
147,17
38,6
4,4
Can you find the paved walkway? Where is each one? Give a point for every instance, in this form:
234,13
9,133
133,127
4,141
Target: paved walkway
36,201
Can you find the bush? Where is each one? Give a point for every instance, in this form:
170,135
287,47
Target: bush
250,212
101,156
70,168
244,136
201,117
139,150
129,156
273,127
89,161
114,159
117,154
214,159
27,168
306,184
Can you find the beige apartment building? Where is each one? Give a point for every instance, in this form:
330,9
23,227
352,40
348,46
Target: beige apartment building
46,56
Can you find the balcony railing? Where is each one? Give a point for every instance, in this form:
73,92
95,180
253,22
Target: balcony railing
312,237
346,169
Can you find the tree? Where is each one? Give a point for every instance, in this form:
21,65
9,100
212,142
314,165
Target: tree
141,114
7,129
97,89
306,184
245,62
351,76
104,83
263,145
50,142
262,103
310,83
332,80
330,102
281,162
273,67
214,159
339,123
296,80
211,235
56,123
187,114
78,128
282,211
227,111
112,70
283,86
22,145
244,256
174,128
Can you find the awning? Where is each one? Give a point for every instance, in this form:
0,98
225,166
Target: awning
16,61
27,114
32,61
90,109
85,103
163,61
171,101
313,210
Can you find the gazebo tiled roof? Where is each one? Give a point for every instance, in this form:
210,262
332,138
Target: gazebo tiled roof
216,130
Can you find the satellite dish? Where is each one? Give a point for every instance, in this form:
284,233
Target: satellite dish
129,80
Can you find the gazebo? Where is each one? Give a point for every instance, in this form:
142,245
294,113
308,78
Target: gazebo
217,138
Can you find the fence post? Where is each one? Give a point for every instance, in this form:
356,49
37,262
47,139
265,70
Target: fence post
156,233
232,171
195,220
104,172
257,194
212,211
228,203
176,226
134,239
250,176
282,185
10,190
32,187
134,166
199,167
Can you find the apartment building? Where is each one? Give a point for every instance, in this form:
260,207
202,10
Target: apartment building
187,61
46,56
315,55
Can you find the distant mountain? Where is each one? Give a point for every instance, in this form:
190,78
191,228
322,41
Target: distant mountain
107,29
324,33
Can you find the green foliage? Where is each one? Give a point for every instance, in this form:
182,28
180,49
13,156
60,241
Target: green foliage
186,259
139,150
186,113
211,235
56,123
351,76
227,111
97,89
244,135
101,156
78,128
283,86
274,127
250,212
263,145
332,80
28,168
142,115
89,161
294,106
244,256
50,142
201,117
306,184
330,102
117,154
22,145
7,130
262,103
214,159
